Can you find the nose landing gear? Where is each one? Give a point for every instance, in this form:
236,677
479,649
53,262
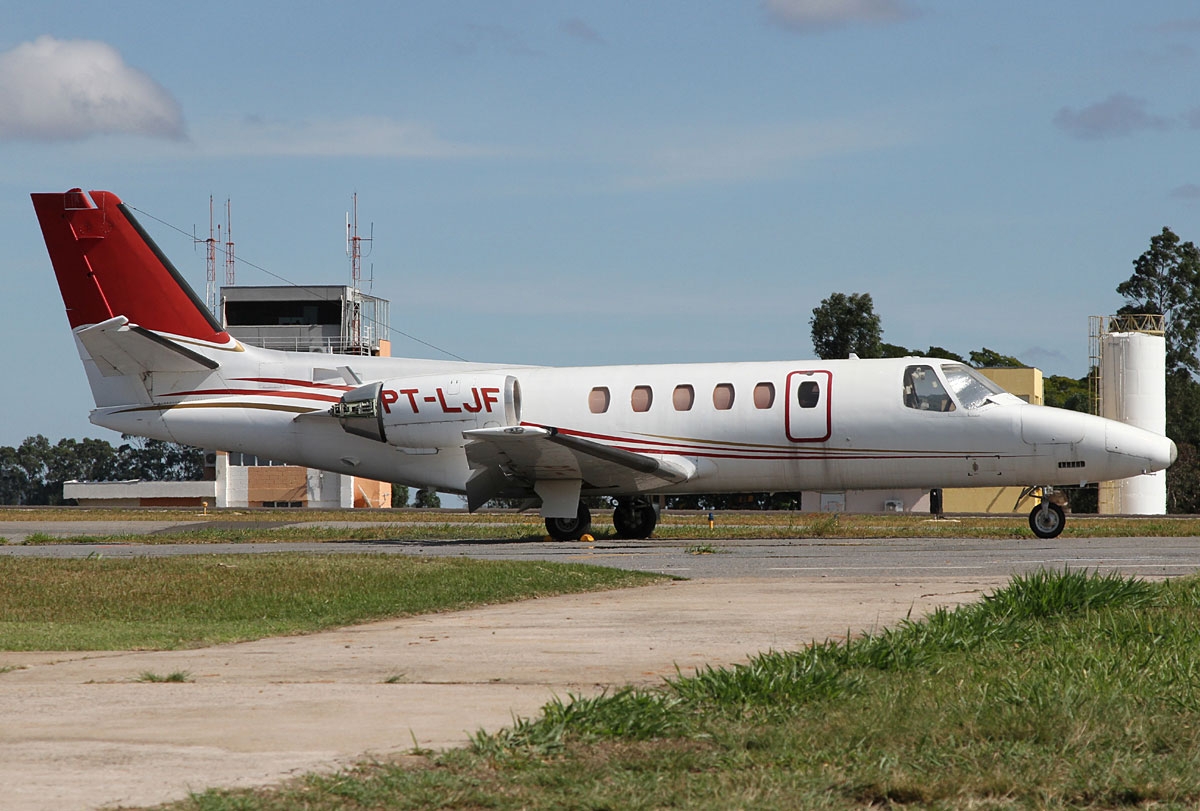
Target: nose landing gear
1047,519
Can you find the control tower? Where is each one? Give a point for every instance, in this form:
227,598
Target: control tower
314,318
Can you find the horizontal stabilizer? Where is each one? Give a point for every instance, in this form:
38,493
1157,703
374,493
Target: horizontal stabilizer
121,348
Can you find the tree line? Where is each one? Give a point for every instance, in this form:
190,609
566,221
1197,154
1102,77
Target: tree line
33,473
1165,281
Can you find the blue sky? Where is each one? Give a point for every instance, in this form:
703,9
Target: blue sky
614,182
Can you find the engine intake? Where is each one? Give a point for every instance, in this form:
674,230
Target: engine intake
430,411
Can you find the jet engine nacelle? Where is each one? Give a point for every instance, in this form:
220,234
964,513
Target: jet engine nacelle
430,411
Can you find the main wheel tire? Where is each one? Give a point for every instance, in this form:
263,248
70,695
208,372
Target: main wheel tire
634,518
570,529
1047,523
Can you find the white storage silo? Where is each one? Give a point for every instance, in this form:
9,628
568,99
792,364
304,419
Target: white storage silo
1133,390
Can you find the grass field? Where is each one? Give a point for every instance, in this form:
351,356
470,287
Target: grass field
163,603
278,525
1062,690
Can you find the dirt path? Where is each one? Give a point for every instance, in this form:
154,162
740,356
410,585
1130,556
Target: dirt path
80,730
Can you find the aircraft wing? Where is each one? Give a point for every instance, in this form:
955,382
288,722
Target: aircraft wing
121,348
533,454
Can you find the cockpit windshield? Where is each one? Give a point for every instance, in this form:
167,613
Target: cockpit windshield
925,391
970,388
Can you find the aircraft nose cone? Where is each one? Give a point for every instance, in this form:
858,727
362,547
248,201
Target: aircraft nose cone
1174,452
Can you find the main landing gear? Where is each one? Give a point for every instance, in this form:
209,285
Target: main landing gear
633,518
1047,519
570,529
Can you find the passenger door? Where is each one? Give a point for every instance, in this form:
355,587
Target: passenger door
809,408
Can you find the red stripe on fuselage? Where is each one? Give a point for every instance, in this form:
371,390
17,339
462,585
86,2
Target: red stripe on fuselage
715,449
300,395
283,381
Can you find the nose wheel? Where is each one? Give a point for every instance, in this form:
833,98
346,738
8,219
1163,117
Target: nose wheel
1047,519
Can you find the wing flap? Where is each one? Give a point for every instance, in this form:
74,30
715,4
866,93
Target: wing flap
534,454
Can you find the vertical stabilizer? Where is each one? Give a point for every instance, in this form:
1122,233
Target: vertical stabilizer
108,266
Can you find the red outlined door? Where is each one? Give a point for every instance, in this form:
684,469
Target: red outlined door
809,405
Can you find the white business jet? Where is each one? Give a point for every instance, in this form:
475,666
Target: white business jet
161,366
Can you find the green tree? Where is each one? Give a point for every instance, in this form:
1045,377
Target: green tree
939,352
990,359
1183,481
427,497
844,324
1067,392
1183,426
156,460
399,495
1166,282
14,480
33,457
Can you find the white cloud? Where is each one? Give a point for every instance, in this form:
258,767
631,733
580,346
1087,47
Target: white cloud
60,90
355,137
812,15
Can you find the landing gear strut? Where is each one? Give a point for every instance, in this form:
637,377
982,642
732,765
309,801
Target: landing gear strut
570,529
634,517
1047,519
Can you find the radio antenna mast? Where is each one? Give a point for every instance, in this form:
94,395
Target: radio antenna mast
355,250
229,261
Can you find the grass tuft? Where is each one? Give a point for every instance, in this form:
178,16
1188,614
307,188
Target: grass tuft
174,677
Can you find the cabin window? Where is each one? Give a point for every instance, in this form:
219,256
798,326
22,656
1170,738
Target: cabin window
808,394
764,395
598,400
923,390
969,387
723,396
683,398
642,398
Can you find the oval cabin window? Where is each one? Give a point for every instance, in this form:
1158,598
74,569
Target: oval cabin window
642,398
598,400
684,398
723,396
764,395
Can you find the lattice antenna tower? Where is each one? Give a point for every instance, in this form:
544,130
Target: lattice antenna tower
210,260
354,249
229,261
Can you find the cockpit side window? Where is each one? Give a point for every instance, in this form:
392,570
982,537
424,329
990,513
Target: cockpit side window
923,390
969,387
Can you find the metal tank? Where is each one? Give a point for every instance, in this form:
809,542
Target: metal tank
1133,390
